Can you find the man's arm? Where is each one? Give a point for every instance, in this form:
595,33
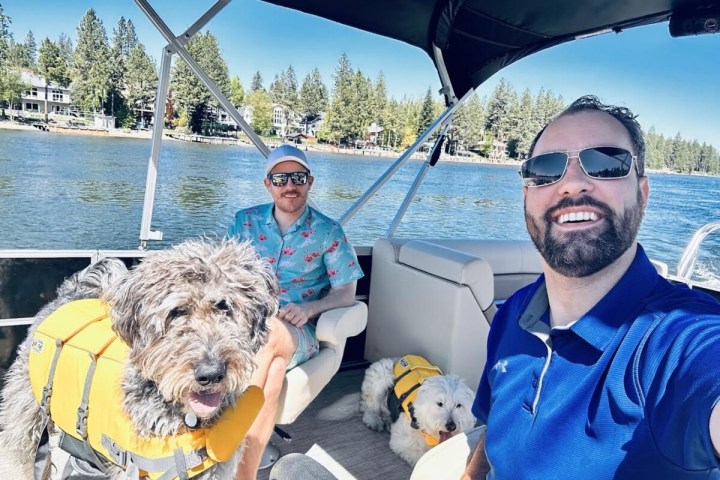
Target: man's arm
299,313
715,428
478,466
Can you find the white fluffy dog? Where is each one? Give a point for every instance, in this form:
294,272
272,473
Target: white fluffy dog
440,410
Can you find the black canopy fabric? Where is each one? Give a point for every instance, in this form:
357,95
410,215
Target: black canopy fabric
480,37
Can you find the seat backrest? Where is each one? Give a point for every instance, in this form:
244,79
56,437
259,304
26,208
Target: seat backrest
432,299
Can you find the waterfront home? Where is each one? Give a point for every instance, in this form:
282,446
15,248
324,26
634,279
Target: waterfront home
33,100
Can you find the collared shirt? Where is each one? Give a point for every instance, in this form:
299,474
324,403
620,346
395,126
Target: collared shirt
312,256
625,392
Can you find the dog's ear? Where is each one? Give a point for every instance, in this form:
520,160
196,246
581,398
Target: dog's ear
125,309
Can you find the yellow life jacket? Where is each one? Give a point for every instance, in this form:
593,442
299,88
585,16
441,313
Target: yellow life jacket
76,363
409,373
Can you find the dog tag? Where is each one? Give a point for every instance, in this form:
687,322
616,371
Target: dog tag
191,420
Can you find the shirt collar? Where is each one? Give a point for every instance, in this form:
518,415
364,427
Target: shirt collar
599,325
620,304
304,219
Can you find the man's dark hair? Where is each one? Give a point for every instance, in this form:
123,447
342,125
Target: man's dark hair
621,114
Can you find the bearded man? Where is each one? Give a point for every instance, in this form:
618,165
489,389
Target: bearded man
601,369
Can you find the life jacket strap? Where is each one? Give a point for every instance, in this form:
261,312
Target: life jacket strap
47,389
175,466
82,412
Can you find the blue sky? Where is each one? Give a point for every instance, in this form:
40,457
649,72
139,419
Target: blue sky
673,84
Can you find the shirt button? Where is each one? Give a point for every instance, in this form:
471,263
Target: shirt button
535,382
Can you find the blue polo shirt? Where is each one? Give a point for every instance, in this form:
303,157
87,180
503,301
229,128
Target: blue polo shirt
625,392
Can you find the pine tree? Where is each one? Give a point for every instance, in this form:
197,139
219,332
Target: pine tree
337,126
257,83
141,80
91,71
468,124
31,50
52,67
5,38
313,98
193,97
499,105
426,113
379,99
65,45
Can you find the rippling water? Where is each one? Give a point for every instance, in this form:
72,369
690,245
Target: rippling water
68,192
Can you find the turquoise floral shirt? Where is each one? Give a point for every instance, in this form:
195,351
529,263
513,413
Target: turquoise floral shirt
312,256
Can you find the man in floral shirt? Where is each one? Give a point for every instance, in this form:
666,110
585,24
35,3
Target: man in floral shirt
317,270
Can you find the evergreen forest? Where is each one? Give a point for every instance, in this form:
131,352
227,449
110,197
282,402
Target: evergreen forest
113,74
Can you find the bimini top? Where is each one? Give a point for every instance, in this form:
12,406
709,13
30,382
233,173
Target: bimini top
477,38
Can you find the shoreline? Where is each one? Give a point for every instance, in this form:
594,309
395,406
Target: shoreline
318,147
122,133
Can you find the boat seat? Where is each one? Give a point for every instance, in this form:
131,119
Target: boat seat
304,382
436,298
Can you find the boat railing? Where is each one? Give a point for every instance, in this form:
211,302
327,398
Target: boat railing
686,265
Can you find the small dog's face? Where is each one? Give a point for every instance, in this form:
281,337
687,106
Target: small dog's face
194,316
443,406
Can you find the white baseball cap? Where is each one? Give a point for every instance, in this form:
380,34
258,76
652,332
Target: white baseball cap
286,153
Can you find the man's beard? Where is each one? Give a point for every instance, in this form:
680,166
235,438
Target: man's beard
580,254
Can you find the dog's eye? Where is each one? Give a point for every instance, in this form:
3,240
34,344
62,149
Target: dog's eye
439,404
176,313
459,405
222,305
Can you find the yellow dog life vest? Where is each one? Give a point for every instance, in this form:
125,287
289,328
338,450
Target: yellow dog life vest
410,372
76,364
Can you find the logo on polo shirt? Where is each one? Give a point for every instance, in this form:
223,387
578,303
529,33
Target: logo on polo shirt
501,365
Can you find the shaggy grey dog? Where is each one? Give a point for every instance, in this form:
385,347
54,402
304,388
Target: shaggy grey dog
193,317
441,409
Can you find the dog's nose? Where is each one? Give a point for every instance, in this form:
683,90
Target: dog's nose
450,426
209,372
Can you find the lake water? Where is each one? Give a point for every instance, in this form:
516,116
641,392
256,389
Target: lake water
76,192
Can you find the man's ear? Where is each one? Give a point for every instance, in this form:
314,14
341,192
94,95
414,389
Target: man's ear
311,179
644,184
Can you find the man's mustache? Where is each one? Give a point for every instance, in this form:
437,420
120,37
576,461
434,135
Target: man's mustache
584,201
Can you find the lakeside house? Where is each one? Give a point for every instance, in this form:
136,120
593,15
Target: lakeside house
33,100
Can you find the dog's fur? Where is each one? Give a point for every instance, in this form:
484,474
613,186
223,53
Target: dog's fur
442,409
198,309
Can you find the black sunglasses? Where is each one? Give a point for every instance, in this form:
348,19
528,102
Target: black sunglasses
602,163
281,179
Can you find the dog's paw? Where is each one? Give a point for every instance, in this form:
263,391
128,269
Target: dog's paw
375,422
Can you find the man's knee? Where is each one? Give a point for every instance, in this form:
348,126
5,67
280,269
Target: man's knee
282,341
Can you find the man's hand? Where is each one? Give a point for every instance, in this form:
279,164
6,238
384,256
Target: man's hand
296,314
478,466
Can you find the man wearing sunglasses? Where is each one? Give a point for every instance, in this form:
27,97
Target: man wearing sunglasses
600,369
317,270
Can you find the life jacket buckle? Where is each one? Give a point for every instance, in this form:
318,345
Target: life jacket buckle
118,454
81,423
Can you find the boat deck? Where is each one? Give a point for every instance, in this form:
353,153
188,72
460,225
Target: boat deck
331,431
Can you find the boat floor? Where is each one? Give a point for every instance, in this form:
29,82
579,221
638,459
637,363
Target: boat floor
331,431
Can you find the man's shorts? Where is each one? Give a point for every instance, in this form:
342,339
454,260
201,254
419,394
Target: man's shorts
308,345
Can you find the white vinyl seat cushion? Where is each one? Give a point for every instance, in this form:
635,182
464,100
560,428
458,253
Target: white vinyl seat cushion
304,382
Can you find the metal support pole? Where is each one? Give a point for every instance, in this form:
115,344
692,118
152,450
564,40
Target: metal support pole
160,99
416,184
204,78
445,116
